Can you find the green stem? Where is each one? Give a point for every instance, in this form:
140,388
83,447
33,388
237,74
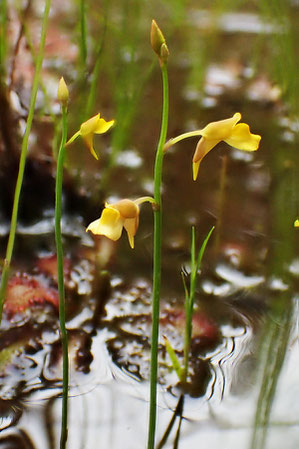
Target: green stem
60,276
14,217
83,44
157,261
189,302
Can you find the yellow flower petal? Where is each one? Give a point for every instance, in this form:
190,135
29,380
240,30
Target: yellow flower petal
195,168
221,129
95,125
110,224
127,208
203,147
88,139
90,126
124,213
242,138
131,226
102,126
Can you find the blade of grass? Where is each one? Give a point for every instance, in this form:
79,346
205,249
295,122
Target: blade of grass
274,348
83,39
174,360
14,217
189,298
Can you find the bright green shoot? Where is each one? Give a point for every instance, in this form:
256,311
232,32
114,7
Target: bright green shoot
174,359
182,371
83,38
190,294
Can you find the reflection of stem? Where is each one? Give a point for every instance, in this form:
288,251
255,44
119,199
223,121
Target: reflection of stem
60,276
14,216
177,412
275,346
178,432
223,179
157,261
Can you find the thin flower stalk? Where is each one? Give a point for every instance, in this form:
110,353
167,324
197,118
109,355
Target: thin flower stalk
60,277
22,163
83,40
157,250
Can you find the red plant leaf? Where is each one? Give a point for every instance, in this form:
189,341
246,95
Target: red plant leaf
24,291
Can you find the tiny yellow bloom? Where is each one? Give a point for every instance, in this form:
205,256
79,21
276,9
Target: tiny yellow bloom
236,135
296,223
115,217
95,125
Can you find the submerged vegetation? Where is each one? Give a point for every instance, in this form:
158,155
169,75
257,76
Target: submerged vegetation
89,325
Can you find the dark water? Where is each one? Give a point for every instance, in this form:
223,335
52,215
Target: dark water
243,389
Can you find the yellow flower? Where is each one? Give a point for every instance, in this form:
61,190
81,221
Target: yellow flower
95,125
115,217
296,223
236,135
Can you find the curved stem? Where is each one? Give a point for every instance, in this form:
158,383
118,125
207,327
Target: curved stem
22,163
177,139
157,261
60,276
144,199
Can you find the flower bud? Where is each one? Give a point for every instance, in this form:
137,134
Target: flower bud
63,92
164,53
158,42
